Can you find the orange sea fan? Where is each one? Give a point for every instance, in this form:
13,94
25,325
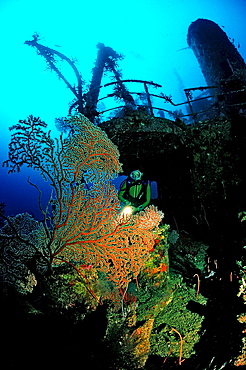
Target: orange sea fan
81,222
117,248
91,151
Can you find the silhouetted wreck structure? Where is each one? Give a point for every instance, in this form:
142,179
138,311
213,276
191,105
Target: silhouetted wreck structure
221,64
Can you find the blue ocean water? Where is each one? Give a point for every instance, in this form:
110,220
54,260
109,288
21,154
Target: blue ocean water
150,35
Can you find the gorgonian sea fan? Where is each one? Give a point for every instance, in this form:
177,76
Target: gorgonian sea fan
117,247
84,225
91,152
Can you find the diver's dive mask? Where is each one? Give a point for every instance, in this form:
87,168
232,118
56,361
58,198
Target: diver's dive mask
136,175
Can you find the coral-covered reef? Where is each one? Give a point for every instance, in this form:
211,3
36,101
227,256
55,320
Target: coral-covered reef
84,255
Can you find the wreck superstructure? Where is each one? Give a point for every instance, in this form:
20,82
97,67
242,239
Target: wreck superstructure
222,65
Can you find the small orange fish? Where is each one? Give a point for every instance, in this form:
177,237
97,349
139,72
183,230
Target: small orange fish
163,267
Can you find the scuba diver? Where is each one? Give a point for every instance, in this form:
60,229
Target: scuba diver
135,192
